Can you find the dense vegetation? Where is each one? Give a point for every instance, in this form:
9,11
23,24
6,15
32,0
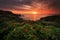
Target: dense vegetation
12,27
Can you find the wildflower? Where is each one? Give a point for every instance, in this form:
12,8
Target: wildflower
25,30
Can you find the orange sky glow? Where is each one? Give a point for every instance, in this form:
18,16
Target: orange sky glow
36,11
34,14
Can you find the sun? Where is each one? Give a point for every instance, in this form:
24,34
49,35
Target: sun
34,12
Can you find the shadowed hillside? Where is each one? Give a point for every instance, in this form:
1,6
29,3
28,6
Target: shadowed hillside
7,15
51,20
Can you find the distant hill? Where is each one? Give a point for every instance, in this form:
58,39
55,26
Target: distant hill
52,20
7,15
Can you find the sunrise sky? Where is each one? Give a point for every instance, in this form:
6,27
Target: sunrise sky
31,9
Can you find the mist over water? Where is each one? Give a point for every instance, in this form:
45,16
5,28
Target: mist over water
32,17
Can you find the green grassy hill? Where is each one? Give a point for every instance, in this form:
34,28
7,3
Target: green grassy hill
12,27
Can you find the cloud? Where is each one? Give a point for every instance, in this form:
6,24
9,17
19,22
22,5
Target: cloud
51,3
55,4
11,4
19,4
